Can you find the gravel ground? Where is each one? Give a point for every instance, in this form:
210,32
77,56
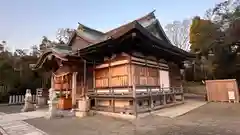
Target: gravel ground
210,119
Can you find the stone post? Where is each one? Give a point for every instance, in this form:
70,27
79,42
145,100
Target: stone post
19,99
52,110
28,104
83,107
22,99
10,100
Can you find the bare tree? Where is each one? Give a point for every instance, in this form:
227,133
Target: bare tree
20,52
35,51
209,14
45,44
178,33
2,45
64,35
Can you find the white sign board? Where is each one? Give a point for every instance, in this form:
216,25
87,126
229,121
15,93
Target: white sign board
164,79
231,95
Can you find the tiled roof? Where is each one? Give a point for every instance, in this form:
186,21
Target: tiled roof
148,21
147,25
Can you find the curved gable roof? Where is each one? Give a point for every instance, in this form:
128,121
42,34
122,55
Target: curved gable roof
149,21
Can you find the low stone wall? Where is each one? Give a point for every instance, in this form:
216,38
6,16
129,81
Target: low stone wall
197,89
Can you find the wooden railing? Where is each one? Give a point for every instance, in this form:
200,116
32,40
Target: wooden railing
152,99
139,92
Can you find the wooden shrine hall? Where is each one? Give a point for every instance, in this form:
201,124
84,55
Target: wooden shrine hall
129,70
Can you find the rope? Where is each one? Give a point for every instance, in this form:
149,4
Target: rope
61,74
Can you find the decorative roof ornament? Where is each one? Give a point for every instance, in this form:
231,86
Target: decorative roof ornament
80,27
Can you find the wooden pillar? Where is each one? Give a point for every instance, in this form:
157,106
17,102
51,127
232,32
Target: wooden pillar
110,76
94,84
149,91
61,86
110,84
151,100
52,81
182,93
129,75
159,75
74,87
132,78
85,78
113,104
94,76
174,94
164,97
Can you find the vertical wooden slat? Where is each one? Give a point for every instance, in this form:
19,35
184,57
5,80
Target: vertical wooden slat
94,75
109,75
159,81
110,83
94,84
130,79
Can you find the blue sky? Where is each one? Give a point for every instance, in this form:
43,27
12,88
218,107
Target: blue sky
24,22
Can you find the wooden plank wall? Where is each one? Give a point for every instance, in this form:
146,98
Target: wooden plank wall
123,72
102,77
119,76
113,72
217,90
145,72
145,76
